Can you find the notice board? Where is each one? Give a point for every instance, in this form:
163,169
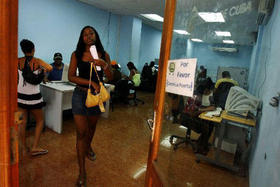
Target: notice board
180,76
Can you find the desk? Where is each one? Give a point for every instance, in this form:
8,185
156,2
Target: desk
216,119
222,122
58,96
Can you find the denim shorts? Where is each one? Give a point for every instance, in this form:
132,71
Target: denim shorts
78,104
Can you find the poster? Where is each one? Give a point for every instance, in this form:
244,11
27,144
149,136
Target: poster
180,76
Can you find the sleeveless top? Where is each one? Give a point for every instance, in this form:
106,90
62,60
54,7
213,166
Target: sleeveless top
84,72
29,96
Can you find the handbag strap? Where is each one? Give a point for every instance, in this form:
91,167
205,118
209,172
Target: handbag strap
91,64
96,74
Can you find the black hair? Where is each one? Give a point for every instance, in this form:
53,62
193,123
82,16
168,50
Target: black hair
81,47
209,83
116,66
152,63
206,84
131,66
201,67
225,74
26,46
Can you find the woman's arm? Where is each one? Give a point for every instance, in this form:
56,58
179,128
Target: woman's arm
43,64
131,74
72,77
106,66
206,109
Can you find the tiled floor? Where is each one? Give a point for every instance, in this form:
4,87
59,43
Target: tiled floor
121,143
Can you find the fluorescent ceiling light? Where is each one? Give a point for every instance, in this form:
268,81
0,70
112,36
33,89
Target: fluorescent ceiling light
212,16
182,32
196,40
228,41
222,33
153,17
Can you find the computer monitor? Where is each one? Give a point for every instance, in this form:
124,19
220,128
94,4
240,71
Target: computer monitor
65,73
240,102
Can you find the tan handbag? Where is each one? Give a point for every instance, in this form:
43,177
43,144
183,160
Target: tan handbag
98,99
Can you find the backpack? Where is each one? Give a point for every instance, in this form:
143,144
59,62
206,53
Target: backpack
28,74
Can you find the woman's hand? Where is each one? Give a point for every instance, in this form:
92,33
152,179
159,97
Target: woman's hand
101,62
96,87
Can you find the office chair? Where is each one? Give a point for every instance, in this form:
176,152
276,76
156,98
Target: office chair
221,93
190,124
186,140
133,94
193,123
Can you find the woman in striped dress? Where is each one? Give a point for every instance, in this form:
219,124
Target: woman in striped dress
29,96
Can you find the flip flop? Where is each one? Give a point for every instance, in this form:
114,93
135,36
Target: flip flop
39,152
91,156
150,123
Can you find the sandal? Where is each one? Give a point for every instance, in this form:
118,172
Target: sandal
39,152
91,155
150,123
81,181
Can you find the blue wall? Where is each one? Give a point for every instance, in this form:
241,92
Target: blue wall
150,45
179,46
212,60
124,47
185,48
136,41
264,82
54,26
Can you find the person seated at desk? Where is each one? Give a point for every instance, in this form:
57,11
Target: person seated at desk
226,77
222,88
153,68
134,75
117,75
58,66
145,71
124,86
199,103
201,75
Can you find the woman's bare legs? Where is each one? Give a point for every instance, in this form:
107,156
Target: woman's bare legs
39,117
92,127
81,144
22,128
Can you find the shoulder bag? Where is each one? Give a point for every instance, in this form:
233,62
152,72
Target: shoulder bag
29,76
98,98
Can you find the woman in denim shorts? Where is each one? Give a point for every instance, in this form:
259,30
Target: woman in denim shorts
86,118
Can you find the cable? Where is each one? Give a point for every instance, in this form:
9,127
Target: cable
267,57
108,32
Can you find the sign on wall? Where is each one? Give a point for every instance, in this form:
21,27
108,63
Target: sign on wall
180,76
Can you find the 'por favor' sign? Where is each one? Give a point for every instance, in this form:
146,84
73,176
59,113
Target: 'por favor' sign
180,76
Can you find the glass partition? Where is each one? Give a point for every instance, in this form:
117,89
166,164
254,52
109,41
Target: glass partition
220,35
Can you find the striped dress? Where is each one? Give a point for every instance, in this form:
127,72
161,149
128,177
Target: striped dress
29,96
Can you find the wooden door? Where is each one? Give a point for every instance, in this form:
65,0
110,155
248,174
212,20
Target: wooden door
154,176
9,175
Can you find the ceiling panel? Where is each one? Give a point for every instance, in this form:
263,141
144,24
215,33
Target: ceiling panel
240,16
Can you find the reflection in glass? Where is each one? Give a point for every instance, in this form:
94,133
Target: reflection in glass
220,34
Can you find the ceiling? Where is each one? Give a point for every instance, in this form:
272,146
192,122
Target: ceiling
240,16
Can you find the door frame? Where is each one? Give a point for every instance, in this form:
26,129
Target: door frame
9,172
154,176
9,175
